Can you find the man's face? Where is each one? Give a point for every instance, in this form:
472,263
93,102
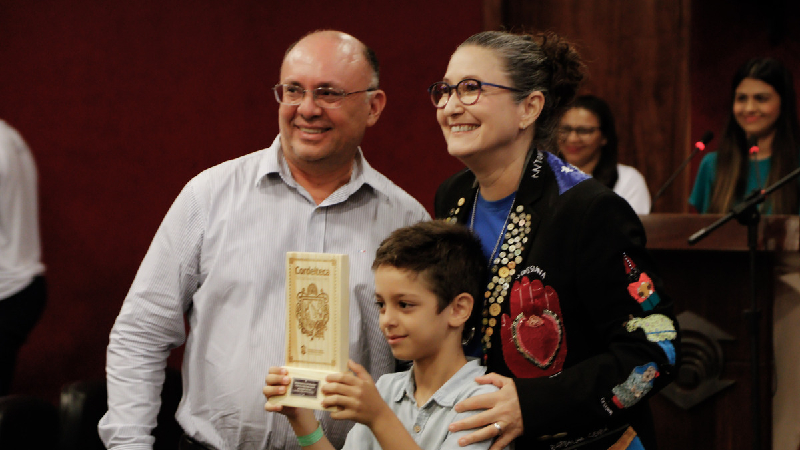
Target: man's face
313,137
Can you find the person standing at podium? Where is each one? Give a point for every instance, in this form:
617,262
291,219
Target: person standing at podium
764,112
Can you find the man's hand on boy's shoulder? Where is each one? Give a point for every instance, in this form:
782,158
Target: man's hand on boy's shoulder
355,396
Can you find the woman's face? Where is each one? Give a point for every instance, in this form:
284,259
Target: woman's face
580,139
756,107
493,122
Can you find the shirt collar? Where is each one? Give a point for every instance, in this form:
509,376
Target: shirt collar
273,162
446,396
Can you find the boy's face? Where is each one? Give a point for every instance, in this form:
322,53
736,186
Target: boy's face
408,317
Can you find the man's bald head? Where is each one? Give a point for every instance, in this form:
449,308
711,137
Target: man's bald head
348,44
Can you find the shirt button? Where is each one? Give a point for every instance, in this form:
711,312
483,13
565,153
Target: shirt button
417,428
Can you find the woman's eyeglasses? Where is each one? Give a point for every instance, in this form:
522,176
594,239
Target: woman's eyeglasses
582,132
468,91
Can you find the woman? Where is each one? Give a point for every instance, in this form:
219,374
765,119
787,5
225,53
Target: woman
573,326
587,139
763,112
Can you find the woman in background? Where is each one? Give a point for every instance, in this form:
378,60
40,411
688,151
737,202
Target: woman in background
763,111
587,139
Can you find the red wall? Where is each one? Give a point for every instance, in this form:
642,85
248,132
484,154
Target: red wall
123,102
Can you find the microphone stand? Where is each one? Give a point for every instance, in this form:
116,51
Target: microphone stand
746,213
675,174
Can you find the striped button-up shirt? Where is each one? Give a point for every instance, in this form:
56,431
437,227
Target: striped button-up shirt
218,259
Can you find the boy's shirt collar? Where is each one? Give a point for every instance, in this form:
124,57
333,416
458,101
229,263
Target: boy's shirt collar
448,394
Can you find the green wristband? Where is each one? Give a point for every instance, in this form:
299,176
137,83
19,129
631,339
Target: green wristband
310,439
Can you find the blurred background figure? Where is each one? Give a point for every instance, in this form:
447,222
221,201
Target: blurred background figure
763,111
587,139
22,284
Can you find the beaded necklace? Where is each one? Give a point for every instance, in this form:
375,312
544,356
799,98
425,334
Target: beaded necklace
502,229
503,262
488,324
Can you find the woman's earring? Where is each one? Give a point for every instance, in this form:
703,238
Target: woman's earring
466,340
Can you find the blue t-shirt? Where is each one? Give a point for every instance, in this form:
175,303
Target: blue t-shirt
490,218
707,173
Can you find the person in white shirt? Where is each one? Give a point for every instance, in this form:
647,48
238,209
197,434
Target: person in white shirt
587,139
218,260
23,290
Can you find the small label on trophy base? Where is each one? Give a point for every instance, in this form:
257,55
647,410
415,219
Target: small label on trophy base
305,389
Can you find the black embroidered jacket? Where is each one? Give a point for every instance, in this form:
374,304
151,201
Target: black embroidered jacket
573,310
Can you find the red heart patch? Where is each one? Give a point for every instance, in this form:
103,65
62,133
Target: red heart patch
534,343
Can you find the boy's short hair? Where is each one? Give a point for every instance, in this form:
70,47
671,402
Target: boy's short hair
447,256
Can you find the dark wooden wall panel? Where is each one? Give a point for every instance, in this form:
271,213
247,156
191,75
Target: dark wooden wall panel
637,55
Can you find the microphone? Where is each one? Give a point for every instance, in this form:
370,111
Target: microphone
701,144
752,149
752,146
698,147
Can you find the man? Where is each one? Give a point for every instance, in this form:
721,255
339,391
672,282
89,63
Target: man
219,259
23,291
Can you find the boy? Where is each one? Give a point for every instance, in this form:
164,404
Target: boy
426,279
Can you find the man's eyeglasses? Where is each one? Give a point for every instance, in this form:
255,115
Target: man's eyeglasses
582,132
324,97
468,91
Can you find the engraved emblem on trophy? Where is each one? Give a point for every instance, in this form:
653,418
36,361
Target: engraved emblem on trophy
317,313
313,311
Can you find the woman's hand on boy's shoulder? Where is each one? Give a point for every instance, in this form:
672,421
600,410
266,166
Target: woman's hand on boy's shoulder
500,417
355,396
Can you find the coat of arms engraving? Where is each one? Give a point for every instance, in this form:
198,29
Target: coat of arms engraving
313,311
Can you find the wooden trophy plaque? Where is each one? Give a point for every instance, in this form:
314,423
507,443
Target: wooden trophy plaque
317,329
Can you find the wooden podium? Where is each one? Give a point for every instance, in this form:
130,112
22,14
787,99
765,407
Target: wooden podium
709,406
